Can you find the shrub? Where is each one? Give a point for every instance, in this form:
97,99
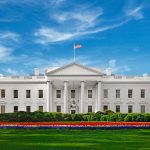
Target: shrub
108,112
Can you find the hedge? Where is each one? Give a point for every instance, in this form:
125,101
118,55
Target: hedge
53,116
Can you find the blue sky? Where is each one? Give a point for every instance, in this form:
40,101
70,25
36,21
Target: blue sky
41,33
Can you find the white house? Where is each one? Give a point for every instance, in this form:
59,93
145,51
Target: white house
75,88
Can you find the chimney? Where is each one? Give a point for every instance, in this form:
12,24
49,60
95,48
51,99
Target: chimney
36,71
109,71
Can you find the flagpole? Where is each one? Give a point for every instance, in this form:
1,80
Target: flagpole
74,52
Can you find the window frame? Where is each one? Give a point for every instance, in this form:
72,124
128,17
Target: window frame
117,94
28,95
130,93
40,95
58,93
105,93
3,94
15,95
90,93
58,108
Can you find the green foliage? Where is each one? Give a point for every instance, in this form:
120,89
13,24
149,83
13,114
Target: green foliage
54,116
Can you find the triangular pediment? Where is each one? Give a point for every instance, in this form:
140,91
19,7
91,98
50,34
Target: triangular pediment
73,69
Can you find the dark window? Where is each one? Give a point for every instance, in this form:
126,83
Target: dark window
89,108
58,93
15,93
2,93
89,93
28,108
15,108
72,93
58,108
130,93
130,109
40,93
117,108
28,94
117,93
105,107
142,93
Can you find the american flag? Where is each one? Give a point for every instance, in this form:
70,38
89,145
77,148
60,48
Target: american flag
77,46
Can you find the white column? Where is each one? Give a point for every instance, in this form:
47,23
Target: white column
65,96
49,97
82,97
99,86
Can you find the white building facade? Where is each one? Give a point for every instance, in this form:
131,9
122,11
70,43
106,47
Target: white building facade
75,88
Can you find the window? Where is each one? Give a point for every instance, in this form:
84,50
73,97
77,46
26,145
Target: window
58,93
40,93
89,93
142,108
105,93
142,93
58,108
2,109
41,108
28,94
72,93
117,93
105,107
28,108
130,109
89,108
130,92
15,93
2,93
15,108
118,108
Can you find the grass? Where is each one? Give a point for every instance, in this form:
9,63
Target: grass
67,139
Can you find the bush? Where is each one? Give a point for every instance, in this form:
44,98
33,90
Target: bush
54,116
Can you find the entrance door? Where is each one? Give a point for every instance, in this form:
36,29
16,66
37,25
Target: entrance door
73,111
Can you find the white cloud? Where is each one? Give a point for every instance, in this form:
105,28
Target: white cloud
7,35
11,71
5,52
47,35
118,69
135,13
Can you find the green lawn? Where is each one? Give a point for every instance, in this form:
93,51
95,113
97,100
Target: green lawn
63,139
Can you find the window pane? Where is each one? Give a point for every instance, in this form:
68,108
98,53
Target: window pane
40,93
142,108
2,109
130,109
89,108
130,92
117,108
105,93
72,93
105,107
15,108
142,93
58,108
2,93
15,93
28,108
117,93
28,94
89,93
58,93
41,108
